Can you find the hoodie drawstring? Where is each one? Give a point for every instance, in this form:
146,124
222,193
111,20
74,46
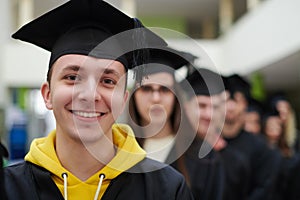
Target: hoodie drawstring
65,177
101,176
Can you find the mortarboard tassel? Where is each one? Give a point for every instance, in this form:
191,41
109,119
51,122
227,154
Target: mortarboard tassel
141,54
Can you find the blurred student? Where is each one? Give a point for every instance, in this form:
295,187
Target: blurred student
253,118
273,130
157,105
210,98
278,102
154,105
262,161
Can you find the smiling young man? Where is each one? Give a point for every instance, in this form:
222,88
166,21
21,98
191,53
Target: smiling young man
88,156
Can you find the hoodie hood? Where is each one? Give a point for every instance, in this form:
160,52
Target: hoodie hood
128,153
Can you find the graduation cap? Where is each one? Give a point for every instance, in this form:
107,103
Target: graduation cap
165,59
86,27
269,113
235,83
275,98
204,82
255,106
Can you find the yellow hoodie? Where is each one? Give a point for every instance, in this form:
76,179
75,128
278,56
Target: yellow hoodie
129,153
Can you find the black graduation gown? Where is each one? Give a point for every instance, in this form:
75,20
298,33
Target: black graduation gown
206,175
264,165
237,174
292,175
27,181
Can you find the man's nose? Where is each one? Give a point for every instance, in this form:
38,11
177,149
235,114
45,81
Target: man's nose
90,91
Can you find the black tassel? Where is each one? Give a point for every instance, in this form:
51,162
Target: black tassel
140,54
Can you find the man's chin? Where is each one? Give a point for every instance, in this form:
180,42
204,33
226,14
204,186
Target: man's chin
230,121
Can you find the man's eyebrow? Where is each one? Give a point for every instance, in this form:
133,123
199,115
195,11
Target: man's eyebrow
112,71
71,68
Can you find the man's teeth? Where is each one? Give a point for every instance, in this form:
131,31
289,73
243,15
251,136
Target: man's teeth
87,114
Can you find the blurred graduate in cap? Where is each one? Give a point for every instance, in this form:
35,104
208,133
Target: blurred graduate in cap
288,144
254,114
89,156
280,133
279,102
156,113
262,160
225,170
154,105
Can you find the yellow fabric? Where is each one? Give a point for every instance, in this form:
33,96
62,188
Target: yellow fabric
42,153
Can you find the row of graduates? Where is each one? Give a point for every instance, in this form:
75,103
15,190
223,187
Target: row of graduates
274,121
198,126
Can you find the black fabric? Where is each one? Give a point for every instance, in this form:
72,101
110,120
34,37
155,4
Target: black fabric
203,82
170,58
162,59
3,151
236,83
264,164
26,181
3,154
206,174
256,106
237,174
287,183
292,191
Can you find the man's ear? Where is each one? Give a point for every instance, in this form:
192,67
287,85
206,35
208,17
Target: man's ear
45,91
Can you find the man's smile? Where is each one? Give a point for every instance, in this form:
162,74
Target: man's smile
88,114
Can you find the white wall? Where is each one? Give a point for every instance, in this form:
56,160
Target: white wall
267,34
24,65
5,30
209,52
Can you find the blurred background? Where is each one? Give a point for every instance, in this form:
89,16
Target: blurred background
258,39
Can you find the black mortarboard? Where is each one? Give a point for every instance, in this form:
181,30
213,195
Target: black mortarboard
204,82
255,106
235,83
268,114
275,98
165,59
78,26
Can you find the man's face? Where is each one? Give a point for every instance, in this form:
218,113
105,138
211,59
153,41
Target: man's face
252,122
283,108
210,115
86,96
273,128
235,108
155,98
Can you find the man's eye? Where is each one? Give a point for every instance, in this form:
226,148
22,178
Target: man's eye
72,77
108,81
